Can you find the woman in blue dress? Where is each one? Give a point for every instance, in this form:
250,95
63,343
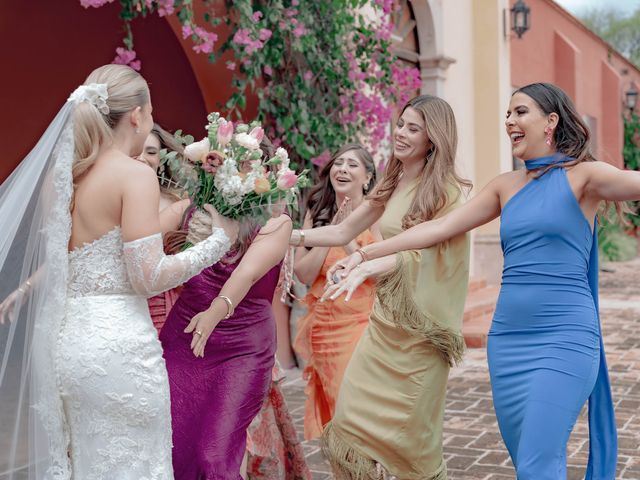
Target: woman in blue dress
545,345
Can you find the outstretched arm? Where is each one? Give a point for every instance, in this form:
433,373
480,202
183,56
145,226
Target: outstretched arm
606,182
266,251
150,270
336,235
480,210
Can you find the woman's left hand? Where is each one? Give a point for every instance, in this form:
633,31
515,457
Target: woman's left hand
348,284
201,326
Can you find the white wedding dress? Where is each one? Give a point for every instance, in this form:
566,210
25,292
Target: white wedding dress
108,361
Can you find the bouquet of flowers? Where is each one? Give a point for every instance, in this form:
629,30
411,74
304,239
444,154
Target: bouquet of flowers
236,177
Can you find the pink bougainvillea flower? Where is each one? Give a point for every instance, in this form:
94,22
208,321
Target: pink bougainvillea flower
231,65
256,16
299,31
187,30
308,75
165,7
322,159
126,57
206,40
265,34
94,3
267,70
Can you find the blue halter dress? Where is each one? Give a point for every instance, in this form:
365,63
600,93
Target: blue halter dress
545,350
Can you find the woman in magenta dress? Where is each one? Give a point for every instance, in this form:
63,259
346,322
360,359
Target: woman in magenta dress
219,343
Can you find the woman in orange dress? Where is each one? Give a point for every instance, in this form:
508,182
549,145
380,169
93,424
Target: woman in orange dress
329,332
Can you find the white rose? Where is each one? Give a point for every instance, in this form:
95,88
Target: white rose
247,141
196,150
283,156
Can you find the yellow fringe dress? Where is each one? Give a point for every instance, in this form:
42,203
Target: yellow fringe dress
389,414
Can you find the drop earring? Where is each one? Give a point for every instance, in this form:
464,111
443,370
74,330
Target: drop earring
548,131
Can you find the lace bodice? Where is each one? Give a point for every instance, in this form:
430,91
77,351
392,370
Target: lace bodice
109,266
98,268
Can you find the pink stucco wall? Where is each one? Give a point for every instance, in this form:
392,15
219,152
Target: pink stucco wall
560,50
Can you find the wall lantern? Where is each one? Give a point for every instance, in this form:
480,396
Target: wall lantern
631,97
520,18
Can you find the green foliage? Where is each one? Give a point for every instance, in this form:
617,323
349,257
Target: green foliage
631,149
620,30
615,245
631,156
324,72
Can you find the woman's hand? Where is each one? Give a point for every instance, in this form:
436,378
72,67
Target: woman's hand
14,300
229,226
348,284
343,212
201,326
343,267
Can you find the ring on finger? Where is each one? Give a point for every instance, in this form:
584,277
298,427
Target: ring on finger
198,332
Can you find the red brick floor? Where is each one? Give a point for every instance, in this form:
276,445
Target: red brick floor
473,447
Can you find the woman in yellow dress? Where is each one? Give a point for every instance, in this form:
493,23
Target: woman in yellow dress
329,332
389,415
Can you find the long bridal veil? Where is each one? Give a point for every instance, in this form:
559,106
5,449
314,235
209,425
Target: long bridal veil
35,226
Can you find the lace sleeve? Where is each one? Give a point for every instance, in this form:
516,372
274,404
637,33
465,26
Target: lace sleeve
152,272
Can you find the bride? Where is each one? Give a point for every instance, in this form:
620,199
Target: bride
83,386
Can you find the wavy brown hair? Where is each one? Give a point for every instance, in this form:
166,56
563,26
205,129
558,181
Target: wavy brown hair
439,174
321,203
571,136
168,184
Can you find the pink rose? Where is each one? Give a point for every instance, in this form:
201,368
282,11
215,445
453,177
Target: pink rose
225,132
211,161
257,133
287,179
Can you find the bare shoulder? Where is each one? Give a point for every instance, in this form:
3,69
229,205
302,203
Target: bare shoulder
590,173
136,175
281,225
505,182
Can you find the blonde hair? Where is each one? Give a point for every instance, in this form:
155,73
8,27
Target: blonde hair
93,129
438,174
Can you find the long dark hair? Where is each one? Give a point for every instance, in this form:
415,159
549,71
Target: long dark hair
571,136
321,203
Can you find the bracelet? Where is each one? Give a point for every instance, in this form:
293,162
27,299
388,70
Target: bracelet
365,257
230,307
301,241
25,287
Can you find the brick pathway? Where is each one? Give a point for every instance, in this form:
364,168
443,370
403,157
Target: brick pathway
473,447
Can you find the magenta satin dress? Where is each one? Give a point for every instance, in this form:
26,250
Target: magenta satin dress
215,398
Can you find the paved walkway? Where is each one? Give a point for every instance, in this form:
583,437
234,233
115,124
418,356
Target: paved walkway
473,447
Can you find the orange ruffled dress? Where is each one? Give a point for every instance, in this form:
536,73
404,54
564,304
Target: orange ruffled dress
326,338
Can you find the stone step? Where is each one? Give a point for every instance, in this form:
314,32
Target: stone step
480,302
475,331
478,312
476,284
